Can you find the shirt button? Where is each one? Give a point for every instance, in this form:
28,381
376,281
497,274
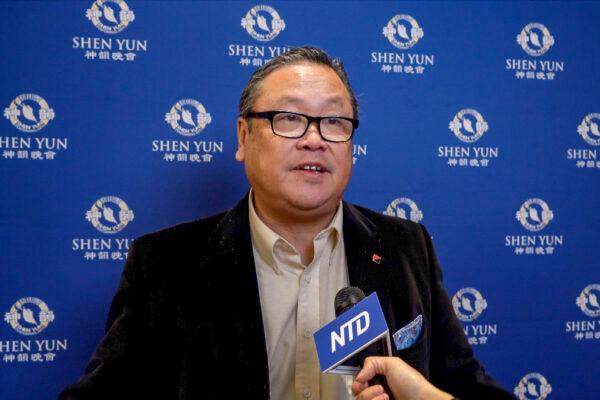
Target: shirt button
307,279
307,334
307,394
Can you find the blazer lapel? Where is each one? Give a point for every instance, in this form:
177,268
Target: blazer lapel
365,255
232,273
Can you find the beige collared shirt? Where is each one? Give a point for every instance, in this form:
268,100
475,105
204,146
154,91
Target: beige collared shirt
296,300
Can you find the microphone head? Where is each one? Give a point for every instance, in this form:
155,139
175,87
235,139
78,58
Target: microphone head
346,298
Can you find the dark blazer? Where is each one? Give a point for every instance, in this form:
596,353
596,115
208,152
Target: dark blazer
186,322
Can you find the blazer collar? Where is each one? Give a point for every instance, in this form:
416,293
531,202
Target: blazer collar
365,254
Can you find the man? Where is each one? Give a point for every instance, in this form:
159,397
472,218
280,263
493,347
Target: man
225,307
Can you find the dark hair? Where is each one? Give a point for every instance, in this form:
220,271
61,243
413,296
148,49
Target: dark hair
296,55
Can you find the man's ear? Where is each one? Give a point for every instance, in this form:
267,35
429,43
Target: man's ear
243,129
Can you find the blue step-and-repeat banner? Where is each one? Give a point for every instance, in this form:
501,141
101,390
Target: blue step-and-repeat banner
478,119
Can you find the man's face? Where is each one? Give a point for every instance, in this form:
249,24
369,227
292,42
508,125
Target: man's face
275,166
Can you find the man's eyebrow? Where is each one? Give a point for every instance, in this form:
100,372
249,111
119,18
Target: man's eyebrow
296,100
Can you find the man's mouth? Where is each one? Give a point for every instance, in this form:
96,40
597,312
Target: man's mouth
314,167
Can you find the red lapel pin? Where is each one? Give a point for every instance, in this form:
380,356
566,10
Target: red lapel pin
376,258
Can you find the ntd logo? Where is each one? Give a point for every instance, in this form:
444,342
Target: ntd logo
349,333
359,324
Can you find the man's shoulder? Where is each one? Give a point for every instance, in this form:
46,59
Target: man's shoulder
184,236
382,222
399,235
186,229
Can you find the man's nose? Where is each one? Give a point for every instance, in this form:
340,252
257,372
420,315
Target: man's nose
312,139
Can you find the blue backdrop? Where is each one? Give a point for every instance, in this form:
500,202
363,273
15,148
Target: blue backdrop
479,119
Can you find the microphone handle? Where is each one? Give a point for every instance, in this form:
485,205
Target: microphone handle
380,380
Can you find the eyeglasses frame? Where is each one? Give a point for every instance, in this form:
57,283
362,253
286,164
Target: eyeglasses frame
270,115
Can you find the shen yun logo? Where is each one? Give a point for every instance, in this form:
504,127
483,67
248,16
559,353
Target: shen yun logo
588,129
109,215
588,300
534,215
468,304
263,23
110,16
535,39
533,386
403,31
468,125
29,316
188,117
404,208
29,113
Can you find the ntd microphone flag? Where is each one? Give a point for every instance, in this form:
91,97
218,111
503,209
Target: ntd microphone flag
351,332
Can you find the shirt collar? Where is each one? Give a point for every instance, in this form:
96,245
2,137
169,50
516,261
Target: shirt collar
264,238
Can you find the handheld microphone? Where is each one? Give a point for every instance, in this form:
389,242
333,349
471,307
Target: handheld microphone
345,299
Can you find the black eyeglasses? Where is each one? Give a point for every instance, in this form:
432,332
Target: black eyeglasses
294,125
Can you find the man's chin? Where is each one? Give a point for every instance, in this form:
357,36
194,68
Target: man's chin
315,206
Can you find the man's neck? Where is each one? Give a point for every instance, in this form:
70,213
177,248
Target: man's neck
298,230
